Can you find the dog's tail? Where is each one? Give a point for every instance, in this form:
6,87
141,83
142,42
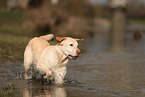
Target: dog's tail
47,37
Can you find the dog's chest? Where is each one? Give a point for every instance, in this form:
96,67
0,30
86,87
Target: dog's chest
63,62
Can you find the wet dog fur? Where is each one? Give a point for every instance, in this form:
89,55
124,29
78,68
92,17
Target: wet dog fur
50,60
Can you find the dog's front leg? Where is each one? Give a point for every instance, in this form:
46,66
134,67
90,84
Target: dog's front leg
59,75
48,75
58,79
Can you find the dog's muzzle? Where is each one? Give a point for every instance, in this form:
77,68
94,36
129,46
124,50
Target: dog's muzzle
78,52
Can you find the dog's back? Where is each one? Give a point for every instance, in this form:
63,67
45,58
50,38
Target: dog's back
34,49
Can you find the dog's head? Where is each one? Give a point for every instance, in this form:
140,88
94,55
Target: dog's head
69,46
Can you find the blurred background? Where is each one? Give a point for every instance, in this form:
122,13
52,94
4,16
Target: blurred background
113,51
20,20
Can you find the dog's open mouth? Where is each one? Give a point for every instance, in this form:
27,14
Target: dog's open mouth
72,57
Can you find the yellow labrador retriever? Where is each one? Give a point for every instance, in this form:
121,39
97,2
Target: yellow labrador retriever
50,60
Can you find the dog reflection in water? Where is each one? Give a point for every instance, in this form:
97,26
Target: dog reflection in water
49,60
53,91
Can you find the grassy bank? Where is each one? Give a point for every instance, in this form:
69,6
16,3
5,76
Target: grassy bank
12,46
7,90
13,37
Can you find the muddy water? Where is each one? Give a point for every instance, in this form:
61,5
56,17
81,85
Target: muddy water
99,72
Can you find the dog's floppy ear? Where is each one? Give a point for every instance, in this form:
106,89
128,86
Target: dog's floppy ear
79,39
60,39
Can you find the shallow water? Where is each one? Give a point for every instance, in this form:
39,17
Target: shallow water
99,72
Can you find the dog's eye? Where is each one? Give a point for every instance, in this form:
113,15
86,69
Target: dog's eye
71,44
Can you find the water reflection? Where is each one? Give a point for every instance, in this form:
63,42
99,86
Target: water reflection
36,90
118,79
118,31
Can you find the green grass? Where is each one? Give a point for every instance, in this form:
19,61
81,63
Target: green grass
13,37
7,90
17,30
12,47
11,17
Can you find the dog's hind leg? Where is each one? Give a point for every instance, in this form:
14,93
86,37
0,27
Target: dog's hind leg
28,58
